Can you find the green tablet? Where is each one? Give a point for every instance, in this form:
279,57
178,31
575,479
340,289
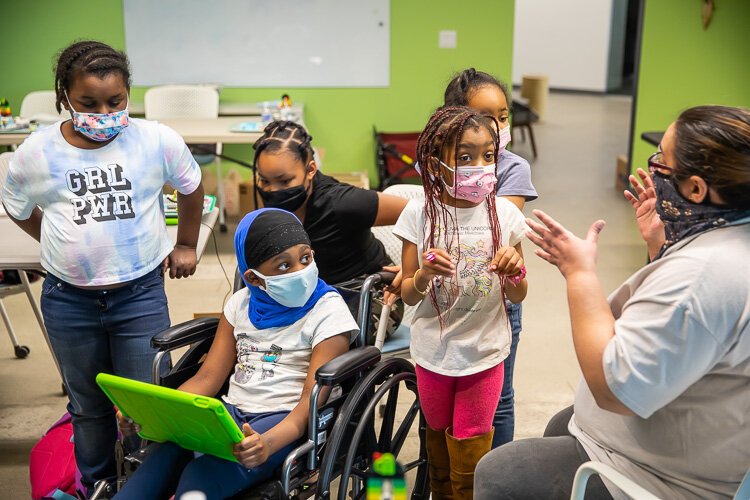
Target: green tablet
197,423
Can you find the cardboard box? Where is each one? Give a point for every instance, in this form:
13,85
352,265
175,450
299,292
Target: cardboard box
207,315
357,179
247,201
622,172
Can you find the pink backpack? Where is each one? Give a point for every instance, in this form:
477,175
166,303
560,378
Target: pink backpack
52,465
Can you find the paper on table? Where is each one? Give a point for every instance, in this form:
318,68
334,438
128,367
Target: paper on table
248,127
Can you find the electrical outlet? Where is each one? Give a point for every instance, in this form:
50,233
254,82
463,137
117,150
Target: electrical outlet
447,39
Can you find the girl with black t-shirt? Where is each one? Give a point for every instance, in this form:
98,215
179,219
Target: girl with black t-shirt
336,216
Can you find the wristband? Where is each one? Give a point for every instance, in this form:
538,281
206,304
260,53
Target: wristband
516,280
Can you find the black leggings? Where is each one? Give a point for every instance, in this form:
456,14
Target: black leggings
539,468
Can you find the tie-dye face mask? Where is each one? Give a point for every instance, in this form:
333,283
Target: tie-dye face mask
99,127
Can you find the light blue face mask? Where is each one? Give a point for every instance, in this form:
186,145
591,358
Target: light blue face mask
293,289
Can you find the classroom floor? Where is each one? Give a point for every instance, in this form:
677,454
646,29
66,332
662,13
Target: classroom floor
578,143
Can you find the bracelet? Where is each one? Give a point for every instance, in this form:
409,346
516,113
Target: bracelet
414,282
516,280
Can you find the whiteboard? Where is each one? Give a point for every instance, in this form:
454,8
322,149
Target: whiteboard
259,43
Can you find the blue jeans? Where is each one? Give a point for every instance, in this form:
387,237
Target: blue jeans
505,420
169,469
93,331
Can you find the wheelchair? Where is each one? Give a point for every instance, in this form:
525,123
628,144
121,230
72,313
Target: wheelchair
336,457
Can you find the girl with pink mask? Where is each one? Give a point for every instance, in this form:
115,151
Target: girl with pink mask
488,95
461,259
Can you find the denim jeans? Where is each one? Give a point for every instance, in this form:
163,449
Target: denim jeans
169,469
505,421
93,331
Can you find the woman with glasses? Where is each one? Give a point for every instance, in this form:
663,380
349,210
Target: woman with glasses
665,395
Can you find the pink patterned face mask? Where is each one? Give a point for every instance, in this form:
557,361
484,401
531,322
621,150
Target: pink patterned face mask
99,127
472,183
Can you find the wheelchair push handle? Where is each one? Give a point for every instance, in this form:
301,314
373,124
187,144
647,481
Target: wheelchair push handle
381,277
386,277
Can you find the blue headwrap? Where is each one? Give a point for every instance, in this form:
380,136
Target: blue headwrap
263,311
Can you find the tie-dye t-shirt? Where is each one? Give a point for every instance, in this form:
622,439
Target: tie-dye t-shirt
103,217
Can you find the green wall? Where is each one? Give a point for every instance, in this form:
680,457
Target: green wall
683,65
340,120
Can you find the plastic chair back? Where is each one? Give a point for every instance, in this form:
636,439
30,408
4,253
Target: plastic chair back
390,241
385,234
40,103
588,469
181,101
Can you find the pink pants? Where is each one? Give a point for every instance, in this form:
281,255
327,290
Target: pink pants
466,403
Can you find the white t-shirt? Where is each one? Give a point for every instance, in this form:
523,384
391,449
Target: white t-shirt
680,360
103,217
477,335
272,363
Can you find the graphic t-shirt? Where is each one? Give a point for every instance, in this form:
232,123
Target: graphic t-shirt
476,335
272,363
514,176
103,217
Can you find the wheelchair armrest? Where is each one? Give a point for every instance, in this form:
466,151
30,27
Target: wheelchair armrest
185,333
348,364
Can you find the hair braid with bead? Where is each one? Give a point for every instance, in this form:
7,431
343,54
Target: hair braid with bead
443,131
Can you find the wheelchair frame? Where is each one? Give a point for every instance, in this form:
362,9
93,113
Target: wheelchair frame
335,447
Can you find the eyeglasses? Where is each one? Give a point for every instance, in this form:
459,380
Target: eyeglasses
656,164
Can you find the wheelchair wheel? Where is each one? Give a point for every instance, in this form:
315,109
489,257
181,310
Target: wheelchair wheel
357,433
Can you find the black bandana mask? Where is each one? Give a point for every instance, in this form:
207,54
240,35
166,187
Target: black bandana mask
286,199
683,218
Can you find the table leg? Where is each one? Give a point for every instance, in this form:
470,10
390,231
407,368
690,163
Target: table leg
220,188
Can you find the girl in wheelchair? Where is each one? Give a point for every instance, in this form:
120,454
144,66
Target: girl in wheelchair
461,258
271,339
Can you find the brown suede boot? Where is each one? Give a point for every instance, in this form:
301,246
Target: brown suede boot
439,465
464,455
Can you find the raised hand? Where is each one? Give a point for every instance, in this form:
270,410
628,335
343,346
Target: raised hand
644,202
560,247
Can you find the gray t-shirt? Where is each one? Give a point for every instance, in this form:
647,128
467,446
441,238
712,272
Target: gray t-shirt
514,176
680,360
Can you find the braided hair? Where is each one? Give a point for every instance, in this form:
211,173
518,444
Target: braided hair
444,130
91,58
282,136
463,85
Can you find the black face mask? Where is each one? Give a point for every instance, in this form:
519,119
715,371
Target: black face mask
286,199
683,218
